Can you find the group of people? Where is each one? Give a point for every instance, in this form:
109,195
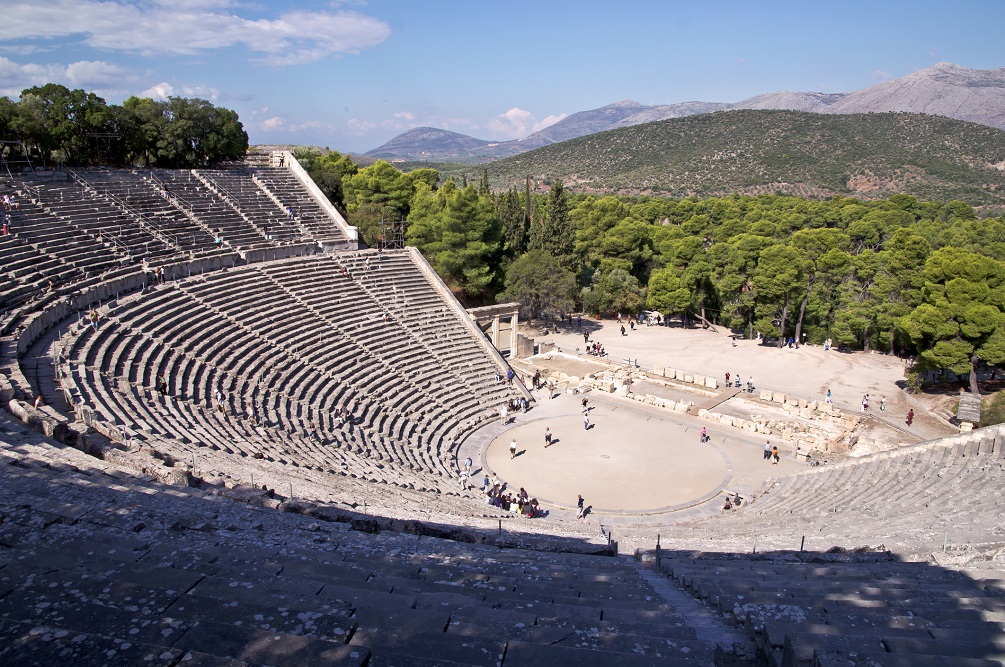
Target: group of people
865,403
9,204
771,453
736,380
499,496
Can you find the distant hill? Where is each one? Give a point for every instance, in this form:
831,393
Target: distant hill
427,143
815,102
763,151
944,89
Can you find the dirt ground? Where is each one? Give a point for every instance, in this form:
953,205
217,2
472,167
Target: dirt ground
804,372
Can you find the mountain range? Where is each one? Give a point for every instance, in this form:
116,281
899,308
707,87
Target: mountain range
944,89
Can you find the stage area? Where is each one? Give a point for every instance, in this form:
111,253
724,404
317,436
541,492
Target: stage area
628,462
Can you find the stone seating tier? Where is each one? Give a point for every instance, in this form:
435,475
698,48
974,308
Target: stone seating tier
287,343
99,566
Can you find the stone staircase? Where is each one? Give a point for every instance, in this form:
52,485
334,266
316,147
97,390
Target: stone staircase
102,567
834,609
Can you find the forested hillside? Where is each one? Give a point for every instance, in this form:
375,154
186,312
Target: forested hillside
755,152
897,274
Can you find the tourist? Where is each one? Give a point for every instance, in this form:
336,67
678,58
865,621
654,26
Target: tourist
586,422
486,485
829,395
94,316
704,435
882,403
38,401
774,456
468,463
767,450
623,330
727,378
726,506
512,449
547,437
910,416
750,384
464,480
580,508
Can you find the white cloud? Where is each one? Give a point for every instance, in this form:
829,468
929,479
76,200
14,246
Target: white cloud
517,123
164,90
273,124
92,75
405,115
191,27
547,121
880,75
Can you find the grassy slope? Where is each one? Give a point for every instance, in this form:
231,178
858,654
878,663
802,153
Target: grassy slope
866,155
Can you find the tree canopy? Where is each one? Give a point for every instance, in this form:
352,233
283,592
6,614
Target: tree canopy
56,124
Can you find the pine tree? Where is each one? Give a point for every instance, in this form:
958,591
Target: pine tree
556,235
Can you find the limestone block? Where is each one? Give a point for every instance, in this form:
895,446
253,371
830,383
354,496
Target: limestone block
683,406
678,375
702,414
726,420
812,405
689,379
699,379
803,403
711,383
766,394
778,398
622,391
749,426
806,413
659,371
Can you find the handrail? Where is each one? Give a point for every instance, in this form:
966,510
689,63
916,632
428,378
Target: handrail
100,236
156,230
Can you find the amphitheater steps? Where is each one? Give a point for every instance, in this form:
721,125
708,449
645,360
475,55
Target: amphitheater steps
168,572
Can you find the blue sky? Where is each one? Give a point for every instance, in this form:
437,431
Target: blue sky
351,75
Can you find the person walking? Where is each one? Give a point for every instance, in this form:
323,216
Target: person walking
704,435
829,395
910,416
767,450
586,422
882,403
467,464
580,508
774,456
547,437
512,448
464,480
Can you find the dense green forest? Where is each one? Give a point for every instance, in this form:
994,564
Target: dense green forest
776,152
57,125
895,275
